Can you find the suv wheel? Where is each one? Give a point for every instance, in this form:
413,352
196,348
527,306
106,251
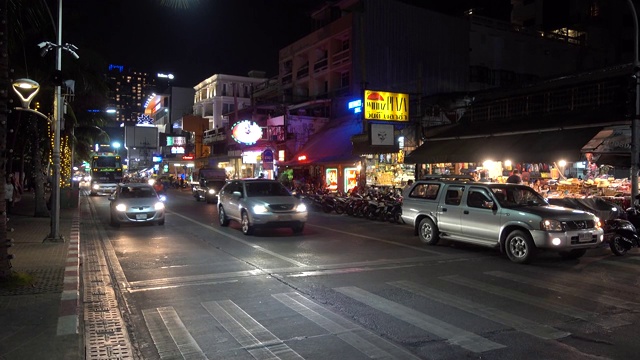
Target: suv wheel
428,232
222,217
247,229
519,247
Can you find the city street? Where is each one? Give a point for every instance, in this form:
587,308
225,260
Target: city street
351,288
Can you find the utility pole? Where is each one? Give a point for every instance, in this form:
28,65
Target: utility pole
635,125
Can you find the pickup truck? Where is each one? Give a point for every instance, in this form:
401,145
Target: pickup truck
512,218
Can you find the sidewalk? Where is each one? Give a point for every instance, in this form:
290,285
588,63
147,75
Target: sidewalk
42,321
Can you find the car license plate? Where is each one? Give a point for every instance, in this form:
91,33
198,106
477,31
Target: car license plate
586,237
284,217
141,216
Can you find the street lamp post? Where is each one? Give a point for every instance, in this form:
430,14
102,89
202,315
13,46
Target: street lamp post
635,121
58,110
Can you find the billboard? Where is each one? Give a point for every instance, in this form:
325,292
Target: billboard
141,136
386,106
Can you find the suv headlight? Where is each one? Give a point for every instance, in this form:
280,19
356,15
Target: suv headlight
551,225
260,209
301,208
211,191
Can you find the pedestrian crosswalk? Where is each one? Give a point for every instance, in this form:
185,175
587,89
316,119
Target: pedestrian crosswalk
478,301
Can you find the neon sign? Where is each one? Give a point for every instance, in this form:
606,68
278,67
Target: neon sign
246,132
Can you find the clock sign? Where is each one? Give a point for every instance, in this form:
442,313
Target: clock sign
246,132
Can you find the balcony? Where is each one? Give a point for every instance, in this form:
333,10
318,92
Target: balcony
320,65
287,79
343,57
214,136
302,73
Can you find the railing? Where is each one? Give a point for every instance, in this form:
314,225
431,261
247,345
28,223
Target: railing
214,135
303,72
320,65
341,57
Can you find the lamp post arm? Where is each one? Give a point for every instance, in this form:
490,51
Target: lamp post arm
35,112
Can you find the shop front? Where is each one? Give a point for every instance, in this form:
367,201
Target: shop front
327,160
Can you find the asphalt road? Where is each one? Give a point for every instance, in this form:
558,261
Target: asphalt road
349,288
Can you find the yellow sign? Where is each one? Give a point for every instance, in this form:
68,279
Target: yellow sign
386,106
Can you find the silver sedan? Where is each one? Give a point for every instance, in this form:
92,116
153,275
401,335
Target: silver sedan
136,203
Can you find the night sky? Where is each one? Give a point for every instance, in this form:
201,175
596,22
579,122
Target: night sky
211,37
214,37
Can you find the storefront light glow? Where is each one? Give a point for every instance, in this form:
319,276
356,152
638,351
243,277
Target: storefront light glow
489,163
562,163
507,163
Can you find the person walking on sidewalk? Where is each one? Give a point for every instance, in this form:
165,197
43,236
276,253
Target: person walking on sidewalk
8,194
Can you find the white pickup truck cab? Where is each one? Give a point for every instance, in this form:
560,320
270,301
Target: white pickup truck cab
509,217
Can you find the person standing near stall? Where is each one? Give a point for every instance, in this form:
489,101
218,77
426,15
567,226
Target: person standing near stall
514,178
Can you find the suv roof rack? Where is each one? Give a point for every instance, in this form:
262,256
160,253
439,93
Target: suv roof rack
448,177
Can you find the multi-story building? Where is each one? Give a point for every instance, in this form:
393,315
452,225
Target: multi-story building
223,94
128,90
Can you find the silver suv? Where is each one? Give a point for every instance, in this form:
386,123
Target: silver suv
260,203
513,218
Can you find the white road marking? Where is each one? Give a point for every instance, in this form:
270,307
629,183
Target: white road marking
546,304
453,334
251,335
170,336
363,340
487,312
376,239
235,238
588,295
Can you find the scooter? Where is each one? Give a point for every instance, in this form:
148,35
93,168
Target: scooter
621,235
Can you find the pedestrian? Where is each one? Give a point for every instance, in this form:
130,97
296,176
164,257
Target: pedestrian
9,189
514,178
405,190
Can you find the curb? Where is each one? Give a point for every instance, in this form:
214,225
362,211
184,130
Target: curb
69,318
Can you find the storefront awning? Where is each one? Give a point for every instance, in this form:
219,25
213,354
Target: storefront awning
332,145
528,147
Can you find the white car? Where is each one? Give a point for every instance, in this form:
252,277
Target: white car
260,203
136,203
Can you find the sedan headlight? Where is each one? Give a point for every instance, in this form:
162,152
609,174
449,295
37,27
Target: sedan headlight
96,186
211,191
260,209
121,207
551,225
158,206
301,208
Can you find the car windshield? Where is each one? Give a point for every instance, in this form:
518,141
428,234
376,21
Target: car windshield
516,196
266,188
137,192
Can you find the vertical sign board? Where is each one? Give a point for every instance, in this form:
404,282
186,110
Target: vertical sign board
267,159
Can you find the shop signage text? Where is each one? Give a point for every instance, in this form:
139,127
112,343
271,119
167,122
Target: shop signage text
386,106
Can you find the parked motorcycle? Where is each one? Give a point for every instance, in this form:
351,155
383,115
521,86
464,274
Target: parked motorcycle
621,235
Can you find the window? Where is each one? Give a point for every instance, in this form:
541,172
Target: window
477,198
344,79
425,191
454,195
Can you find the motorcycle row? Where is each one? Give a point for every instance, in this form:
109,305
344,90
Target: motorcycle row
372,205
622,232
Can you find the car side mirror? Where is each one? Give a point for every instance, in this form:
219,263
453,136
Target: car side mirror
487,204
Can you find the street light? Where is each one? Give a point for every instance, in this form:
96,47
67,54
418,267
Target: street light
58,113
116,145
635,125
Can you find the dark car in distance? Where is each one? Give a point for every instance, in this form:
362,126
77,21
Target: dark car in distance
208,190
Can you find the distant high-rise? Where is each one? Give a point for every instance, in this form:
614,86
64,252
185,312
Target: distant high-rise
128,91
